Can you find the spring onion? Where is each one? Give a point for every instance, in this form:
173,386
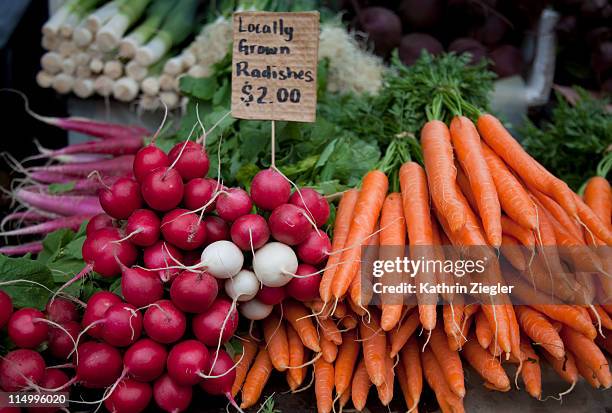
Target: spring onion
110,34
156,13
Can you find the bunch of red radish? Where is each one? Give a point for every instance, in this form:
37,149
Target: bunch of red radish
189,252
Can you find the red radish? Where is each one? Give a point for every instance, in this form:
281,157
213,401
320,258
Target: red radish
145,360
250,232
99,221
109,147
121,199
99,365
243,286
19,368
25,328
26,216
199,192
96,308
233,203
164,323
187,361
6,308
53,379
289,224
33,247
122,325
103,250
274,264
270,189
218,323
304,287
315,248
170,396
216,229
312,202
191,258
192,160
193,292
222,259
61,344
162,189
66,205
163,255
222,378
120,165
129,396
144,225
271,295
255,310
183,229
141,287
148,159
72,222
61,310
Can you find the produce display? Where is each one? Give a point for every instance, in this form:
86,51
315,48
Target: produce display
230,258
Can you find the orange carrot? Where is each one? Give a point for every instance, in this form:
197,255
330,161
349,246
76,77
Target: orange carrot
374,344
400,335
342,223
587,372
605,342
328,349
531,372
594,225
330,331
589,353
275,335
360,386
466,143
345,361
385,390
522,234
598,196
512,252
415,199
344,398
512,195
324,385
540,330
441,173
297,357
249,349
504,145
486,365
558,213
360,291
565,367
483,331
256,379
453,370
448,401
349,321
392,242
411,363
365,216
452,314
515,332
402,379
597,313
296,315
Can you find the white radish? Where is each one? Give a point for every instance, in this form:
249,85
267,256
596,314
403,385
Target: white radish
170,99
274,264
244,286
222,259
255,310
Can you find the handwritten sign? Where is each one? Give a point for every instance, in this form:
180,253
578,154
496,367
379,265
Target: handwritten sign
274,66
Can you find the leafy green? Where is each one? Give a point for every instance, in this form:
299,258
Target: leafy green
26,294
573,141
61,188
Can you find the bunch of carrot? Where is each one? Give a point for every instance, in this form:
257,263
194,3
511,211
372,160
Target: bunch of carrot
478,187
63,192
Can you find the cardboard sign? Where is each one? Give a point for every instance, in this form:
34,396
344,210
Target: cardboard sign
274,66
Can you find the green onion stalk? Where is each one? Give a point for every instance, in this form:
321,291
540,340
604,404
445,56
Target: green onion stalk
174,30
156,14
109,36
